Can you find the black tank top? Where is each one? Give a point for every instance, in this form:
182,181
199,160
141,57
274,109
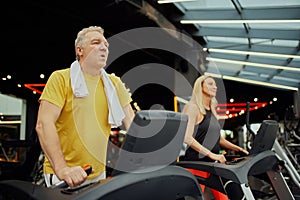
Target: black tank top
207,133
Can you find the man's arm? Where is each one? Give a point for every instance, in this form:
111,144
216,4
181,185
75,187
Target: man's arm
129,115
47,115
46,130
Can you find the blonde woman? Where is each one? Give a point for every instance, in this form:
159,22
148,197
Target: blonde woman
203,130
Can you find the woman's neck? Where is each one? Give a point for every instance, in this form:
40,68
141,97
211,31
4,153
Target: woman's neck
206,102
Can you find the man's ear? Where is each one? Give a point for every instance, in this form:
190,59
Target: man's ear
79,51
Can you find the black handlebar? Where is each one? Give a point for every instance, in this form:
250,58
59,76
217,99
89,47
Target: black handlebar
247,120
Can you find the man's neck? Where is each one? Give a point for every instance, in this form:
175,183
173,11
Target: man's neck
91,70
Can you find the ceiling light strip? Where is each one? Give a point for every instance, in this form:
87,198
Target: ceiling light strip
182,100
231,110
250,53
259,83
241,104
31,87
11,122
252,82
173,1
238,21
237,62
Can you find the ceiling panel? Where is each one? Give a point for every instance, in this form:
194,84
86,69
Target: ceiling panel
260,3
274,37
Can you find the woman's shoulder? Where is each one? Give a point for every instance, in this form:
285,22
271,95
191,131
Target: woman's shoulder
190,107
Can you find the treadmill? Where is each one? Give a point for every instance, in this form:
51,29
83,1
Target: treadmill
144,170
231,178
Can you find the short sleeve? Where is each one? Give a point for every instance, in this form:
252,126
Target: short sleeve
55,89
123,93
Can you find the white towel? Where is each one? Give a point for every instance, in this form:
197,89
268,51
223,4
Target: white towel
116,113
77,80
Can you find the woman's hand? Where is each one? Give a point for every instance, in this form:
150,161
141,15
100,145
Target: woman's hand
244,151
217,157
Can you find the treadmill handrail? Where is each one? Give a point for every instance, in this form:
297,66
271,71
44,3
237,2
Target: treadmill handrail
238,172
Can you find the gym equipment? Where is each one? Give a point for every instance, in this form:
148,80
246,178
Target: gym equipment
288,163
153,141
168,183
232,178
282,147
152,144
62,184
20,169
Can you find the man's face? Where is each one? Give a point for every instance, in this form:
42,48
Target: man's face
95,50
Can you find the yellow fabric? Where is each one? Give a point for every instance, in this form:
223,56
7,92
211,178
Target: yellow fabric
83,126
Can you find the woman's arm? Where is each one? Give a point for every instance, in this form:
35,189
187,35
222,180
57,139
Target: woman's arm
192,112
228,145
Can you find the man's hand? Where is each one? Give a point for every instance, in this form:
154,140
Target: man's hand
73,176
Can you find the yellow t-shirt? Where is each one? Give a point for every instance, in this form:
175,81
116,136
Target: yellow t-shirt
82,127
